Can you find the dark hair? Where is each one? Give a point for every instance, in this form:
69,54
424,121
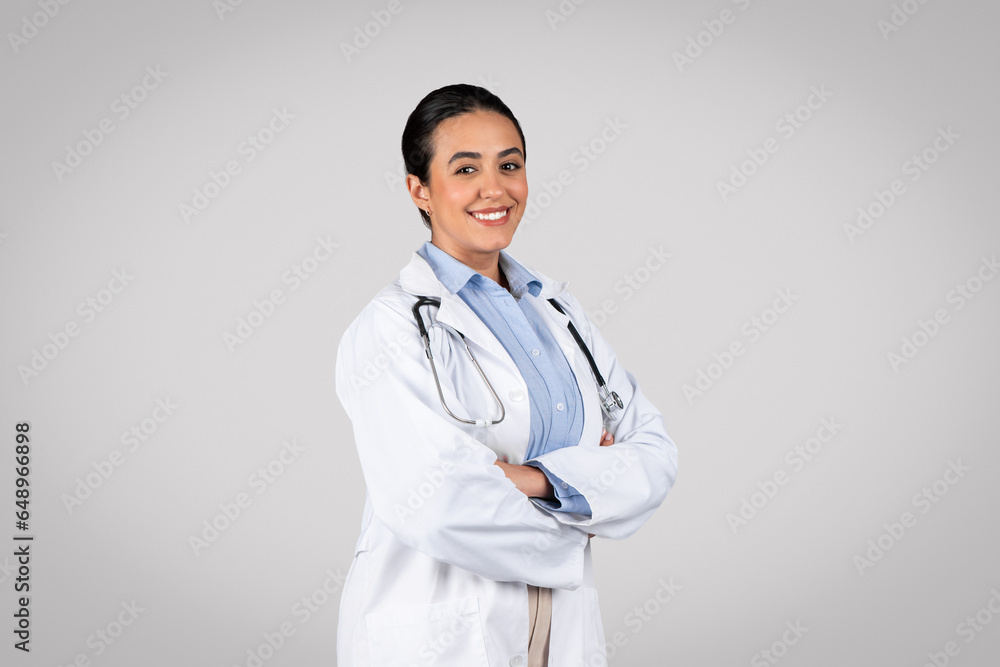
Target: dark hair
437,106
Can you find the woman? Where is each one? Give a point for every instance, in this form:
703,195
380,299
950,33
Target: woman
486,477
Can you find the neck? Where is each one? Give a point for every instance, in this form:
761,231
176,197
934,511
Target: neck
487,264
495,275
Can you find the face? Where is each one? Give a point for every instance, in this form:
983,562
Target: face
477,189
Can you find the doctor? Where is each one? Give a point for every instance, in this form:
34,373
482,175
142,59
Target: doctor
486,477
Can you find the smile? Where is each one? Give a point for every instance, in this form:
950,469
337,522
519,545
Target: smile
496,216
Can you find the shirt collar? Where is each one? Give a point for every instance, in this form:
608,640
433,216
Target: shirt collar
455,275
519,278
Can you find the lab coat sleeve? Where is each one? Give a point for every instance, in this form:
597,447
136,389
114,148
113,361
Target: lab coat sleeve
623,483
432,485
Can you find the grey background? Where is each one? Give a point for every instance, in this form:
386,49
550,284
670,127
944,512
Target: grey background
334,172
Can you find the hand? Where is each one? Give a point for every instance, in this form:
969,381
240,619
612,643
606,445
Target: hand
529,480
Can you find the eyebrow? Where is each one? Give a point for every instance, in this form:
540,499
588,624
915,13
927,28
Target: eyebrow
478,156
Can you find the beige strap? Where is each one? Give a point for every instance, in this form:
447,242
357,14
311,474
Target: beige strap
539,625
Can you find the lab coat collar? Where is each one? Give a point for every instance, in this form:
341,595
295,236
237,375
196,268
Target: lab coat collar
417,278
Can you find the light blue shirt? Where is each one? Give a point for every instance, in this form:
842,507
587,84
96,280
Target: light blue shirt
555,404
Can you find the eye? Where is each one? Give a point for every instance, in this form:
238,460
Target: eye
510,166
468,169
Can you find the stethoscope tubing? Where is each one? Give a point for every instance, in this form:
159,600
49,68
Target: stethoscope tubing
424,301
609,399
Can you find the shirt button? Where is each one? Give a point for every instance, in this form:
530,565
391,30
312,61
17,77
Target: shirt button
516,395
516,661
560,407
565,485
536,352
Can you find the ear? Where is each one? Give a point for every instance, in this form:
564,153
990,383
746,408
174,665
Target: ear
418,191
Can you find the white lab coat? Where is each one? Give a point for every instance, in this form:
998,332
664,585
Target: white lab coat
447,542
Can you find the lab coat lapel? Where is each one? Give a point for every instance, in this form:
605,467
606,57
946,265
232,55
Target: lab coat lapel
456,313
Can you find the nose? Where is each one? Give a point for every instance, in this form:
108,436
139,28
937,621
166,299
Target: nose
490,187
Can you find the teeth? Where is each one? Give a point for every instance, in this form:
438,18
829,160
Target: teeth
490,216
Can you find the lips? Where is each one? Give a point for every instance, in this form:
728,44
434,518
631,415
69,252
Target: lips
497,215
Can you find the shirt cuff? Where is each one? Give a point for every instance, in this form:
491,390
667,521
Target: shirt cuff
568,499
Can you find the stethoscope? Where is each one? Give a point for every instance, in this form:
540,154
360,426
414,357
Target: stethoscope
610,401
